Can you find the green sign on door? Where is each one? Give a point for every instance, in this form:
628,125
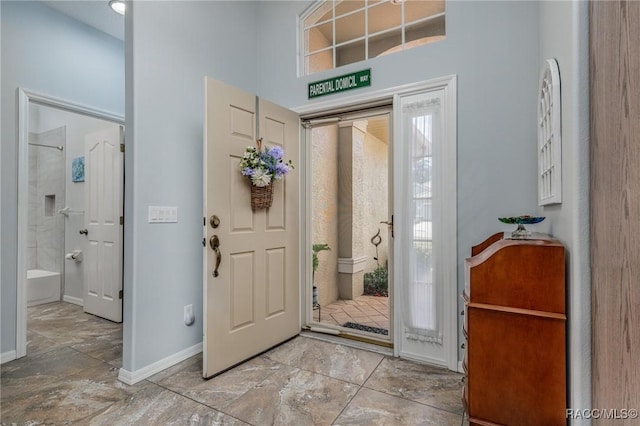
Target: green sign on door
340,84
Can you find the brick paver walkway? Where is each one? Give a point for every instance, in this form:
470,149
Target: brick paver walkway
372,311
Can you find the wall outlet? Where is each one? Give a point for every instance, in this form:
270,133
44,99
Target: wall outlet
189,318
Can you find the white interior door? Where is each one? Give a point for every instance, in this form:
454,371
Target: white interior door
251,282
103,211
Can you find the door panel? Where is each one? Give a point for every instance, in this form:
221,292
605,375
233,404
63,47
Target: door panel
252,305
242,295
104,207
242,218
276,280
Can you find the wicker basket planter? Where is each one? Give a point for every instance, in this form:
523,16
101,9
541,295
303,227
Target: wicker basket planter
261,197
263,167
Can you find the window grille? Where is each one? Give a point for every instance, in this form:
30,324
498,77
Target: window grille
341,32
549,136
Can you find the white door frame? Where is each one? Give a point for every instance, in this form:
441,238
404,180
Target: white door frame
450,272
24,97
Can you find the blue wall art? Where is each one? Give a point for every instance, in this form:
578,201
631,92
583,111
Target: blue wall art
77,169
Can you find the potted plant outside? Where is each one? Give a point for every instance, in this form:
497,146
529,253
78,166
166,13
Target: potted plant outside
316,248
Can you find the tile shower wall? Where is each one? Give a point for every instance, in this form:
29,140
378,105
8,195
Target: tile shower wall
46,197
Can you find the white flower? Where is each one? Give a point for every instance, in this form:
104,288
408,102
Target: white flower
261,178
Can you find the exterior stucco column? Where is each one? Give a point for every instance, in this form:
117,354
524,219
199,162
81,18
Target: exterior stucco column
351,259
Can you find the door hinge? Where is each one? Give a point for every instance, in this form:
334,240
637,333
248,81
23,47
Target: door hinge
121,220
121,147
120,294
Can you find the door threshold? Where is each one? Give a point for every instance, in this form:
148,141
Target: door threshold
357,342
350,333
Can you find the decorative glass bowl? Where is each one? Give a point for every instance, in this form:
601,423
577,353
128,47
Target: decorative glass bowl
521,232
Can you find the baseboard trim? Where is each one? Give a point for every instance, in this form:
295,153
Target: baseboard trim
74,300
7,356
133,377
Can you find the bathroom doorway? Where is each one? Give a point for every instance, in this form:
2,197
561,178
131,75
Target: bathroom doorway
56,255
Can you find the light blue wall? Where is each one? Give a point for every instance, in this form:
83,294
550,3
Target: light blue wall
564,36
46,52
493,49
171,46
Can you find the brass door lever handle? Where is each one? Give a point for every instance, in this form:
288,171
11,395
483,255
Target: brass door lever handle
214,242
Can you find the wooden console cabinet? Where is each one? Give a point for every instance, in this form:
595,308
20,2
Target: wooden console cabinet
515,328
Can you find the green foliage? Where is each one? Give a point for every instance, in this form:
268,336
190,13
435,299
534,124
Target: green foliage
376,282
316,249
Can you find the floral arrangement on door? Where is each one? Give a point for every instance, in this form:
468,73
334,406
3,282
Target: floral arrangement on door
263,167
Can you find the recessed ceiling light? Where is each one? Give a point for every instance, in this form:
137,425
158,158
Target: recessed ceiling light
118,6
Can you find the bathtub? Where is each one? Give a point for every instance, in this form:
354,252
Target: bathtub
42,287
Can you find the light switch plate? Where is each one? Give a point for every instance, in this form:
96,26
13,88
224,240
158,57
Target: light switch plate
163,214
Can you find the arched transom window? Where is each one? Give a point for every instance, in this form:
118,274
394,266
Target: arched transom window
341,32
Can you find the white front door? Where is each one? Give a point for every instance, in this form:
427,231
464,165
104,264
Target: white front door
103,227
251,260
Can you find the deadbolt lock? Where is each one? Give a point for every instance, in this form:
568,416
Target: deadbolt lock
214,221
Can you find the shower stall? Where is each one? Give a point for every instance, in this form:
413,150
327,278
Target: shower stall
46,225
